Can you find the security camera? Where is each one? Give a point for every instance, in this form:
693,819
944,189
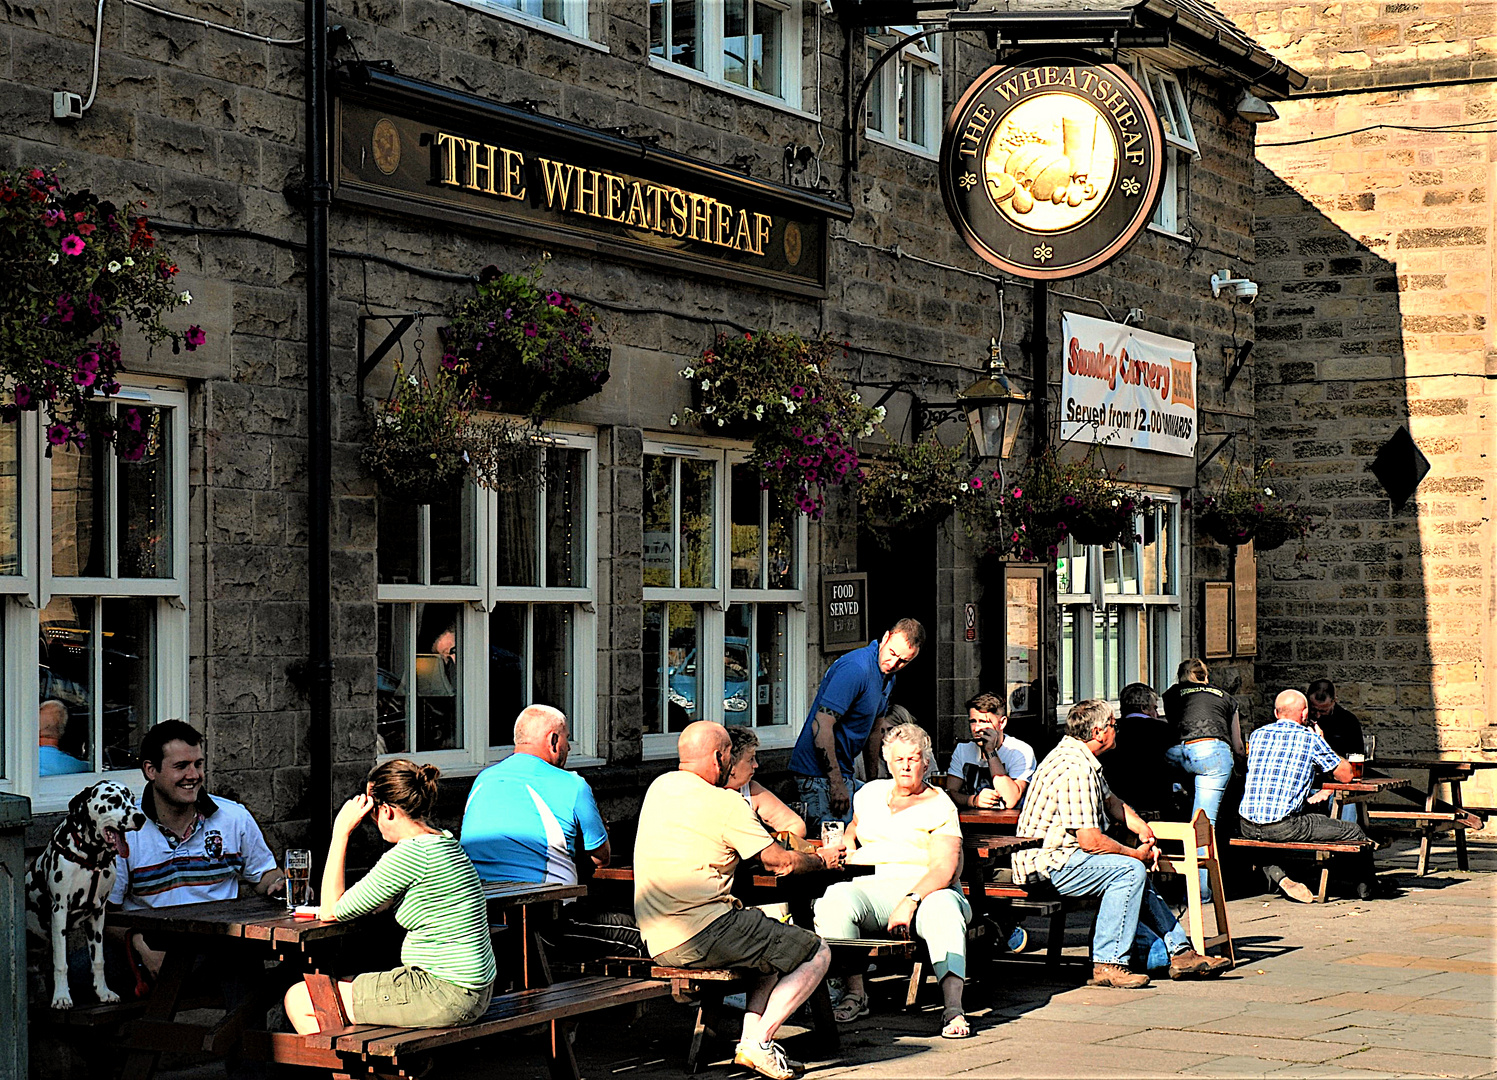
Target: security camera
1237,288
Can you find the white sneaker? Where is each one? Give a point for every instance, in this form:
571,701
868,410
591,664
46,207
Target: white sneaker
767,1061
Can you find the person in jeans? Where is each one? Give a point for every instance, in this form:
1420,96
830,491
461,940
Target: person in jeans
446,973
1070,807
1210,731
1285,759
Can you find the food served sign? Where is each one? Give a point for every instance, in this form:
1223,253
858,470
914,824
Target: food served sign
1050,167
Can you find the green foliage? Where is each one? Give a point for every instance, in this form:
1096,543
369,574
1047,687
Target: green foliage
1245,507
919,484
1052,500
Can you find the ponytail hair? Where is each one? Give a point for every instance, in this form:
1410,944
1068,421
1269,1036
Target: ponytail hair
406,786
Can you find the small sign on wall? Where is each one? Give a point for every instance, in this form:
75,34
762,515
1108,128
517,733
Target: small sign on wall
1217,619
844,612
970,621
1245,601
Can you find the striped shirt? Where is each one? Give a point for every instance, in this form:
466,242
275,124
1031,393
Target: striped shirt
439,903
1283,760
1068,792
223,848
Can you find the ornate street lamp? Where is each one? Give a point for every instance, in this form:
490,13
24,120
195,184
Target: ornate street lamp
994,408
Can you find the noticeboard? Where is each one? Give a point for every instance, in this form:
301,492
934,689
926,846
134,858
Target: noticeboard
1245,601
844,612
1216,620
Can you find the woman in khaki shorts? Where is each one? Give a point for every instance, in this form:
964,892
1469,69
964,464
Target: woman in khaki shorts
447,963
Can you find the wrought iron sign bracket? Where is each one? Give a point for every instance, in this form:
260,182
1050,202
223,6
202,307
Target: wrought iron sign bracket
401,324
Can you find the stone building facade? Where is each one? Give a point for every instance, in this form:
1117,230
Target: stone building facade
207,129
1374,242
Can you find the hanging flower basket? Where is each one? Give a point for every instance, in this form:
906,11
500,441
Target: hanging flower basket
1052,500
75,269
419,474
914,488
782,391
1245,507
528,349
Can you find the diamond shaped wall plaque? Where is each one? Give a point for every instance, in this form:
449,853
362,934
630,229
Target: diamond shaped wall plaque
1399,466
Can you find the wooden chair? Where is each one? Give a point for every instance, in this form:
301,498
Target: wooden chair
1195,835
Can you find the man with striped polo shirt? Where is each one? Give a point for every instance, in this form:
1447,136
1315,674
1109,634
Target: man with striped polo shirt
193,848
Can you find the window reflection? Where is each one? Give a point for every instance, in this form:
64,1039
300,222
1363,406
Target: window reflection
566,518
698,527
418,677
507,694
143,493
659,521
79,523
672,670
449,540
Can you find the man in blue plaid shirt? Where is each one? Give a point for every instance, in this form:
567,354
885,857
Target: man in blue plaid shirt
1285,761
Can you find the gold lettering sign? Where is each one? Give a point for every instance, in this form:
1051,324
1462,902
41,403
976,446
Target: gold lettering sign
1051,167
492,168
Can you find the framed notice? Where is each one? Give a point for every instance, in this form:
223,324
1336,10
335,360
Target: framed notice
844,612
1216,619
1245,601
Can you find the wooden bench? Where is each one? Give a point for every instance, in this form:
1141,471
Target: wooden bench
369,1049
708,987
1322,851
1038,899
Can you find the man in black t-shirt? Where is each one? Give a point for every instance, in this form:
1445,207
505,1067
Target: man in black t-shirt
1136,769
1337,726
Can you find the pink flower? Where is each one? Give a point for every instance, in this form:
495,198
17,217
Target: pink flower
797,391
555,299
23,396
57,434
72,245
194,337
976,483
531,329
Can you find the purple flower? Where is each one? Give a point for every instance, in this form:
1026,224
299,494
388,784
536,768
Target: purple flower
555,299
976,483
1069,500
797,391
64,305
72,244
53,218
23,396
531,329
195,337
509,313
57,434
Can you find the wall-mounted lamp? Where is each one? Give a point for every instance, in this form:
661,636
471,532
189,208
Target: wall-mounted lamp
1254,109
1235,288
994,408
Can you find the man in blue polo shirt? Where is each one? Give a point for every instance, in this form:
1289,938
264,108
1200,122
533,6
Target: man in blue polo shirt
846,719
529,819
1285,761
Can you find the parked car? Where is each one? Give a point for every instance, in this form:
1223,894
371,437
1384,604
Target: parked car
736,688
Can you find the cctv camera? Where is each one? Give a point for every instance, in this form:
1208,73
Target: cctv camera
1245,290
1241,288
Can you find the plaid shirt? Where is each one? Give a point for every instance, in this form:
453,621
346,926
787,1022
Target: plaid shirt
1066,794
1283,761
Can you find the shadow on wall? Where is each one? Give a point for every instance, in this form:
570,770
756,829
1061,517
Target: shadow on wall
1352,603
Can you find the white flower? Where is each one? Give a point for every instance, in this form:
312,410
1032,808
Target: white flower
52,258
706,384
710,409
687,373
186,297
813,368
675,420
904,476
113,267
879,413
1268,492
721,422
790,406
759,412
129,261
412,380
962,486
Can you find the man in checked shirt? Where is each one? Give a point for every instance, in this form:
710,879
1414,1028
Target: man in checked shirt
1070,806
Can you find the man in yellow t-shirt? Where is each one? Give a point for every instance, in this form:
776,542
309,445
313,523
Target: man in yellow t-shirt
693,833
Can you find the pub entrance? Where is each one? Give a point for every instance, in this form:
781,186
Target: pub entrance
902,584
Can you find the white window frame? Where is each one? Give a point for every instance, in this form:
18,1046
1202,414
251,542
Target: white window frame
479,599
1162,621
25,596
528,13
711,21
920,56
716,599
1167,95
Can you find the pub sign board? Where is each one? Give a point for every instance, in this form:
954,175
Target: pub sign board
844,612
1052,165
413,148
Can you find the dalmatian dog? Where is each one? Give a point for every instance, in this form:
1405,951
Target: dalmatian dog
69,882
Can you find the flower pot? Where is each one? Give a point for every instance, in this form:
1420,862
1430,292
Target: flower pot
1228,529
1095,524
417,474
1271,534
538,390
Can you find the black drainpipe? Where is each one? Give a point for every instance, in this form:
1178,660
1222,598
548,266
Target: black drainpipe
319,434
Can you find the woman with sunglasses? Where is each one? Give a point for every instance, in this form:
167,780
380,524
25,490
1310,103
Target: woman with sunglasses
447,962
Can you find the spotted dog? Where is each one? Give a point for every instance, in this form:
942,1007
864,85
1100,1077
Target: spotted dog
69,882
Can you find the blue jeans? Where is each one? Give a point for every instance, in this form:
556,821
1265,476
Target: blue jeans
816,793
1210,762
1129,903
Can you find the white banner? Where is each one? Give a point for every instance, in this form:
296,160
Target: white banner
1127,387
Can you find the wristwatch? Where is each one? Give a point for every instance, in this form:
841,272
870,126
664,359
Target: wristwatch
914,896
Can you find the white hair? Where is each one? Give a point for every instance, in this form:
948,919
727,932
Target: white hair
912,735
536,722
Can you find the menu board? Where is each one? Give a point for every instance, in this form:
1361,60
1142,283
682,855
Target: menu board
844,612
1245,601
1217,621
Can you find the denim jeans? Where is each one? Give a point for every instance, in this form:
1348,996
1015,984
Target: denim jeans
816,793
1128,900
1309,828
1210,762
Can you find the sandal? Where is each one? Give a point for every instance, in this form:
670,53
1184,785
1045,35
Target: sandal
957,1028
851,1007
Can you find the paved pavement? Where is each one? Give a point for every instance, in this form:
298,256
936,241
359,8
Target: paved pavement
1393,987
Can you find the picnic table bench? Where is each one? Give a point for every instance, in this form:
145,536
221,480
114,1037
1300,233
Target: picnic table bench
1322,851
1435,816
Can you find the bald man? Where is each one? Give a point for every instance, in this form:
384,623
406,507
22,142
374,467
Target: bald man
52,759
693,833
1285,762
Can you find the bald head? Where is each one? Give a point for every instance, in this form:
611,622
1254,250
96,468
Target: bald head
51,719
542,731
705,749
1291,705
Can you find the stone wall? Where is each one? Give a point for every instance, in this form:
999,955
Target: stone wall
207,130
1375,250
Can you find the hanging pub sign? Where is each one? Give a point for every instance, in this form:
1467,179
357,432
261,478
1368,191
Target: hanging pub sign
1122,386
413,148
1050,167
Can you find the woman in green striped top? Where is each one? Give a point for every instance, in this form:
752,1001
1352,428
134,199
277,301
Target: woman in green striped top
447,969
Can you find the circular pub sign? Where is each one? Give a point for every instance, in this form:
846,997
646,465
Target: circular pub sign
1050,167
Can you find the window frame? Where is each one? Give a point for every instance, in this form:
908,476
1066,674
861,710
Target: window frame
715,601
1167,95
917,54
478,602
712,43
25,596
1162,611
577,16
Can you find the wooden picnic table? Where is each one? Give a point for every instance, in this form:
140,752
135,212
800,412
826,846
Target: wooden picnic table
988,821
253,926
1435,815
